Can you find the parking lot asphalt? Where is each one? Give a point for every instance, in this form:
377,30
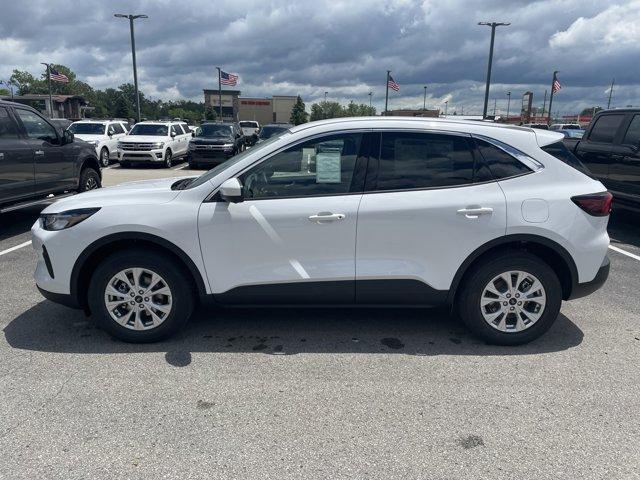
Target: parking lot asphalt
318,393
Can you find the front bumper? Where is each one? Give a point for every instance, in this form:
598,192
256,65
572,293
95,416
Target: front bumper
209,157
156,155
580,290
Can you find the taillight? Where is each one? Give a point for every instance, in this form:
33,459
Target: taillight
596,204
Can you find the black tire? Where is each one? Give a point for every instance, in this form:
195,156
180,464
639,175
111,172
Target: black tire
89,180
168,159
468,301
104,157
176,279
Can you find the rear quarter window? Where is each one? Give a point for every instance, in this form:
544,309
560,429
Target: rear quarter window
562,153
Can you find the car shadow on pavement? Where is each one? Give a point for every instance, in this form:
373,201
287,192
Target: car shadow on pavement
281,331
623,227
19,221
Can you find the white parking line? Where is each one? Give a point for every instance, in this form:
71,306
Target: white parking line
180,167
9,250
624,252
117,165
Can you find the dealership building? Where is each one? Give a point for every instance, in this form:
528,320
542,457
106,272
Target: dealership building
276,109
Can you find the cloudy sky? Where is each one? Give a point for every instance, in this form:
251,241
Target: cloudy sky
308,47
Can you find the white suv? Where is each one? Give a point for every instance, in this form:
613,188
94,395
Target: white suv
497,222
103,135
154,142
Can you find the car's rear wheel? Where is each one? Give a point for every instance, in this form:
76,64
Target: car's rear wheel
510,299
168,159
140,296
89,180
104,157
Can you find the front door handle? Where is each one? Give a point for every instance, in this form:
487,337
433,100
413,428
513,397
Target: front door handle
475,212
323,217
39,152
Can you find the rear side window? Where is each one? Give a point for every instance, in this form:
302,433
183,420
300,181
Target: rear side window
423,160
632,137
8,128
500,163
562,153
605,128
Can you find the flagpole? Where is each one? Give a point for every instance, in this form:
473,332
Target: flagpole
219,92
553,82
49,83
544,103
386,98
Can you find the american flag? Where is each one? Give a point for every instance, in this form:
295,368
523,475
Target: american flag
56,76
228,78
391,83
556,86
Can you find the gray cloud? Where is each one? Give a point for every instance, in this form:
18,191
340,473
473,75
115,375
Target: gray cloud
343,47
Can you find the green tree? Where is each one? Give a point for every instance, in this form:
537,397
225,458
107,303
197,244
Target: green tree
122,107
210,113
322,110
27,83
298,112
4,91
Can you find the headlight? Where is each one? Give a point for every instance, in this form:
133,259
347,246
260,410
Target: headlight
94,142
62,220
228,146
158,145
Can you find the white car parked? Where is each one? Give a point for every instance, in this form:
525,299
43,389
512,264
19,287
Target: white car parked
103,135
498,222
154,142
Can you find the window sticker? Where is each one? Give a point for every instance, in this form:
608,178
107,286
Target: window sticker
308,159
328,167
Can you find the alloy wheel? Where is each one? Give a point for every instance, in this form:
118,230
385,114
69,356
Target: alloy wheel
138,298
104,157
91,183
513,301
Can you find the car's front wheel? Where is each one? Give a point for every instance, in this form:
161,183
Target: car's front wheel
140,296
89,180
168,159
510,299
104,157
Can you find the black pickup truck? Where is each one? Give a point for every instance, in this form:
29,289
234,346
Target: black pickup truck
39,160
610,149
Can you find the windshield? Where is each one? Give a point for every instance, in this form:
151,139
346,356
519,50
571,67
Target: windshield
572,127
87,128
248,125
573,133
232,161
269,131
149,129
213,130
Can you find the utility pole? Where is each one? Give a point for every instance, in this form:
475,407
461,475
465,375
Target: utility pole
370,94
133,56
610,92
493,26
325,96
495,102
48,65
508,104
424,101
386,98
446,104
553,83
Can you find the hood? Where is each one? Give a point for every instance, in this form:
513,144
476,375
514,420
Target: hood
143,192
217,140
143,139
88,138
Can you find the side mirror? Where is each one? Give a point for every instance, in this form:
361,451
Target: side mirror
111,132
193,134
173,134
231,191
67,137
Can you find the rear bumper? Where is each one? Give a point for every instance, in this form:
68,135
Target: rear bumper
580,290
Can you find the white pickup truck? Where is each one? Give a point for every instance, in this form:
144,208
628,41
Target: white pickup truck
154,142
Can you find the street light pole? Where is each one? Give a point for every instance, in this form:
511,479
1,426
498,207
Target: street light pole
325,96
370,94
493,26
610,92
508,105
446,104
133,56
424,101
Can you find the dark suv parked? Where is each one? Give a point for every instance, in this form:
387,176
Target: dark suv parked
610,148
215,143
38,159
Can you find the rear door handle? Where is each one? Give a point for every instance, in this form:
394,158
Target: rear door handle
326,217
475,212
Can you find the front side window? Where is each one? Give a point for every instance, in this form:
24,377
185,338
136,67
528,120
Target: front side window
500,163
117,128
605,128
8,127
36,126
632,137
322,166
411,160
149,129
